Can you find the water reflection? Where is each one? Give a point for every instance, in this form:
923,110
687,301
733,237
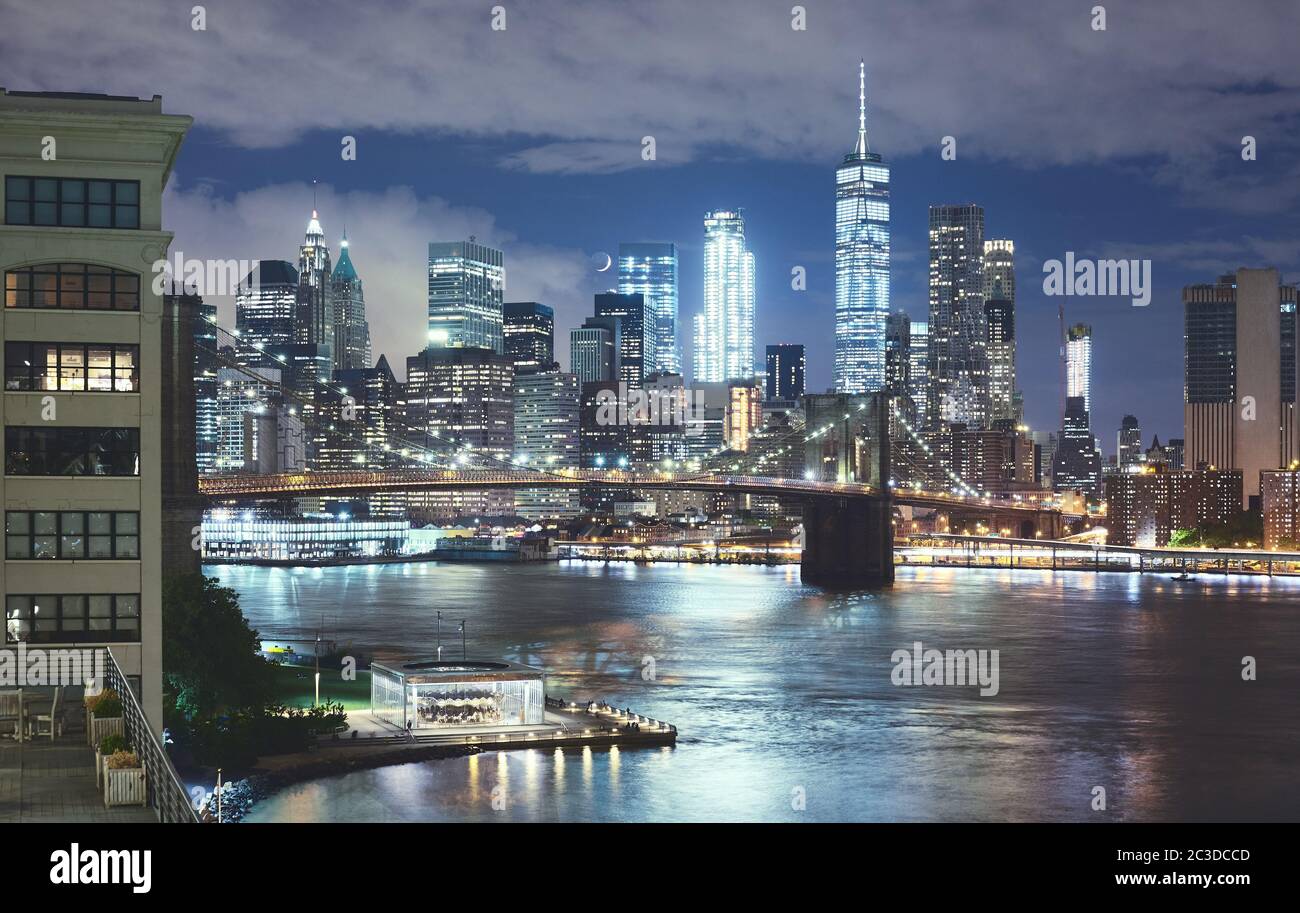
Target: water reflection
1131,683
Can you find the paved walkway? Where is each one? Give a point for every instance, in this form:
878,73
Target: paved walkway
54,782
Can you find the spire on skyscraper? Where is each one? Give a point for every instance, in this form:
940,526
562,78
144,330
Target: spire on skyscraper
862,148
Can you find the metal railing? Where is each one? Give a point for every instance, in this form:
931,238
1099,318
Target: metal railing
165,793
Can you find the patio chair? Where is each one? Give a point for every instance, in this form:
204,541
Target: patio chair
11,710
53,721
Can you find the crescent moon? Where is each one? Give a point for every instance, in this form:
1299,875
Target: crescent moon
609,261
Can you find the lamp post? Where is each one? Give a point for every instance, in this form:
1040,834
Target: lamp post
439,636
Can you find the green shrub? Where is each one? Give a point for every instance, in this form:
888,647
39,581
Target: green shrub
111,744
105,704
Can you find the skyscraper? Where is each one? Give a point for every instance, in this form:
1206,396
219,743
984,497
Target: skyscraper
466,285
786,364
1240,384
650,269
593,350
266,306
315,317
1078,364
629,311
724,348
528,332
958,357
360,428
898,353
205,385
918,377
1000,317
1128,445
348,303
546,407
1077,464
861,262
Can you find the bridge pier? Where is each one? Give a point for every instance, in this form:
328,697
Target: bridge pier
848,543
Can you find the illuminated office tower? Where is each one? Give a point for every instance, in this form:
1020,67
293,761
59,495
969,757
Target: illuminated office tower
1078,364
466,285
898,353
861,262
241,391
528,333
348,301
918,377
650,270
958,360
786,364
315,317
266,304
1129,444
1000,317
633,339
546,405
725,331
205,385
593,350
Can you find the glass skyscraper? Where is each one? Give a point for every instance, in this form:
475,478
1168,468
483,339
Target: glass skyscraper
348,302
958,362
466,285
315,318
724,333
650,270
1078,364
1000,319
861,262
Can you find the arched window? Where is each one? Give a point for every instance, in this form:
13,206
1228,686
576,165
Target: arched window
72,286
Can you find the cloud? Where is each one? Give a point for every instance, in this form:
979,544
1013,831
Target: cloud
577,83
388,234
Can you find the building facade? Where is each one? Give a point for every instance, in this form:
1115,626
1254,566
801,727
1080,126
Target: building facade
1078,364
528,334
861,262
786,366
466,294
958,332
547,406
347,300
649,269
83,352
724,332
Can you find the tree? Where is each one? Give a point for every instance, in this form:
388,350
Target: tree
210,659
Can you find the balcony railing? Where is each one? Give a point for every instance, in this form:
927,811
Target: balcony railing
166,793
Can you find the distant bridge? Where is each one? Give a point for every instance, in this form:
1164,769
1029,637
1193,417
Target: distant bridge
848,526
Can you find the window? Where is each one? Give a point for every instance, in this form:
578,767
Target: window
72,202
72,286
34,451
71,534
89,367
75,618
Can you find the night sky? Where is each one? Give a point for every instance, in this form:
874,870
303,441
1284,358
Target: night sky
1117,143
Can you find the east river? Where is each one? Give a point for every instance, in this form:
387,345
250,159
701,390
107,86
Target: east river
785,703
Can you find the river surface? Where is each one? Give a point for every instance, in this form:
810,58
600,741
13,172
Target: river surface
785,704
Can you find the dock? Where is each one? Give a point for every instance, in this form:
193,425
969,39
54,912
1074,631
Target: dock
568,725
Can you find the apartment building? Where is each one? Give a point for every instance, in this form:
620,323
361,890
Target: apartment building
83,359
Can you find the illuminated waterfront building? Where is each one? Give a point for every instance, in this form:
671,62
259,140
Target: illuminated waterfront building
1280,505
958,340
724,343
528,334
861,262
241,536
466,287
650,270
433,694
1146,508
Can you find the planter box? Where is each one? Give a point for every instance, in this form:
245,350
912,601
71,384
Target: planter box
124,787
98,727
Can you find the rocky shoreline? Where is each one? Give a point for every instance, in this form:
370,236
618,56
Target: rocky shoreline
276,772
